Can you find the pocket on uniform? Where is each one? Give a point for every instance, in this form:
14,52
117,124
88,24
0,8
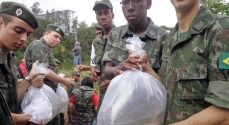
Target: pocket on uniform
191,80
118,55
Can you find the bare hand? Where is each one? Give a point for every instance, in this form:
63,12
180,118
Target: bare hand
38,82
34,73
67,82
84,68
104,85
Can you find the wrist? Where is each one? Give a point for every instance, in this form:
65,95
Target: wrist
28,79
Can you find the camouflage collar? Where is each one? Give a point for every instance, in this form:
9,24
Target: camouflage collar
199,23
44,42
150,32
2,57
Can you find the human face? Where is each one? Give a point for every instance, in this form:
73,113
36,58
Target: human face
185,5
104,16
14,35
76,77
52,38
98,32
136,10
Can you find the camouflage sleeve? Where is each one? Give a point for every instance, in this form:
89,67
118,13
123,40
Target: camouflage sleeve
36,52
217,91
106,57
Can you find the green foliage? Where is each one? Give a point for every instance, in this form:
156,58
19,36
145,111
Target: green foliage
217,6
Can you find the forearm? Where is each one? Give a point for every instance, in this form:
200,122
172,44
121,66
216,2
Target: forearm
210,116
109,72
54,77
71,105
20,119
22,88
154,74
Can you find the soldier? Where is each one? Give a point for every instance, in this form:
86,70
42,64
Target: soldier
104,15
196,79
98,29
16,25
85,101
116,60
76,82
41,50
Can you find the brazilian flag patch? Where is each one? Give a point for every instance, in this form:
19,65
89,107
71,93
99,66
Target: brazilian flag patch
224,61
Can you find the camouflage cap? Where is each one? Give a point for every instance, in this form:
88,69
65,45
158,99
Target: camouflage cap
20,11
76,72
97,26
55,28
103,2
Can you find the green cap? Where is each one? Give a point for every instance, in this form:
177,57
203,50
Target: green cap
55,28
76,72
103,2
20,11
57,61
97,26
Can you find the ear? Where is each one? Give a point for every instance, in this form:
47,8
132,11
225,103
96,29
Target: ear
112,16
149,2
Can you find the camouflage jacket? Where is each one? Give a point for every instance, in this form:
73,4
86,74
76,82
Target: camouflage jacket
8,80
71,88
190,67
6,118
83,103
99,44
39,50
116,51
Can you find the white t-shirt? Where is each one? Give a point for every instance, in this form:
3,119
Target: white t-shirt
92,63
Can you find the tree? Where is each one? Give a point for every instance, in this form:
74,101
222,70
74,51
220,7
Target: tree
36,9
217,6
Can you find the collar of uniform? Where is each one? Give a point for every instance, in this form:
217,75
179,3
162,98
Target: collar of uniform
200,22
150,32
2,57
44,42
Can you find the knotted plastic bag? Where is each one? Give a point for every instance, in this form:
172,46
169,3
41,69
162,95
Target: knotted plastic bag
63,96
41,103
133,97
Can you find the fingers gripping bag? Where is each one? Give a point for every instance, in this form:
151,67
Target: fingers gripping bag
133,97
41,103
63,96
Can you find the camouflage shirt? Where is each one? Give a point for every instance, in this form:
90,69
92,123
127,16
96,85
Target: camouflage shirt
6,118
116,51
83,103
99,44
39,50
71,88
190,67
8,80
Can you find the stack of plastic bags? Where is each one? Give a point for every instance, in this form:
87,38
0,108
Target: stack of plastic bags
133,97
43,103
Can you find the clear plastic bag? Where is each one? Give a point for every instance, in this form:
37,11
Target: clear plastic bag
133,98
63,96
42,104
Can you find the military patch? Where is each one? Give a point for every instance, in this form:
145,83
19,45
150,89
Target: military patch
18,12
57,29
224,61
200,25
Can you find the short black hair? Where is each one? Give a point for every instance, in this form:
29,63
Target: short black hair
6,18
87,82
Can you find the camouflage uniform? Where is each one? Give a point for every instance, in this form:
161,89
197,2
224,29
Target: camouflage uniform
6,118
39,50
153,38
8,80
190,69
83,103
71,88
99,44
